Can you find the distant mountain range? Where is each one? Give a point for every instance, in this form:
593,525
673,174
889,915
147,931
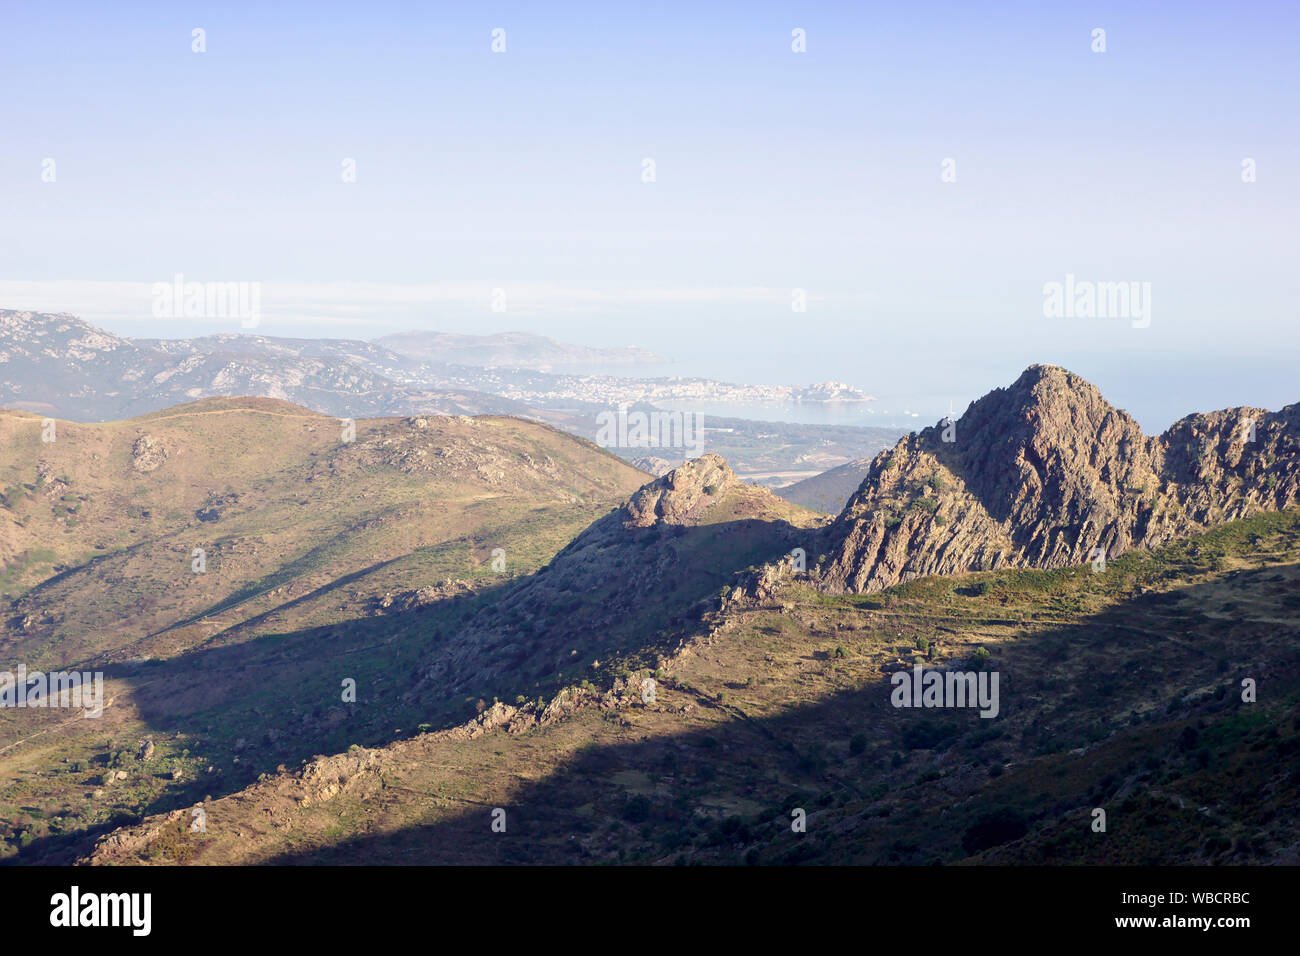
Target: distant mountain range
62,366
513,350
59,365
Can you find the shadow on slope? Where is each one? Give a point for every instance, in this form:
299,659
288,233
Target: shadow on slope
277,700
1136,710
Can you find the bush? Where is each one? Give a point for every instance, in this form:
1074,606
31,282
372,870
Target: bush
993,829
927,735
813,760
858,744
637,808
981,657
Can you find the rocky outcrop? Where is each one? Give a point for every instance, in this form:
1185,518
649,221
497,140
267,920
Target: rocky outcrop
677,497
147,454
1046,472
326,777
411,600
641,573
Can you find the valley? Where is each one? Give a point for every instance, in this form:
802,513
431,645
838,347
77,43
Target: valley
394,633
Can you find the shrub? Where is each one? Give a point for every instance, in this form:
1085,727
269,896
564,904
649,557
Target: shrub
858,744
928,735
812,761
993,829
637,808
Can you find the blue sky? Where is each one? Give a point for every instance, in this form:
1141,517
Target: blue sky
774,171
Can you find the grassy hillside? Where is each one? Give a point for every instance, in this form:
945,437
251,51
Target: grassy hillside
100,527
319,547
1120,690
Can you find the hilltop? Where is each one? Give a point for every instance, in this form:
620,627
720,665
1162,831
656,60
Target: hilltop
60,366
628,588
1045,474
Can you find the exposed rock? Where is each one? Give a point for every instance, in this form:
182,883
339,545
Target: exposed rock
147,454
1043,473
656,563
411,600
677,496
326,777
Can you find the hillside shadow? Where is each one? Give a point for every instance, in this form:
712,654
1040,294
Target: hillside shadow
1088,712
275,701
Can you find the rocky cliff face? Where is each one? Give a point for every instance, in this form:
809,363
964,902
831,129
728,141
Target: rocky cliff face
1043,472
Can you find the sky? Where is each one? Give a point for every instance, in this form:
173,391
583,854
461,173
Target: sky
517,179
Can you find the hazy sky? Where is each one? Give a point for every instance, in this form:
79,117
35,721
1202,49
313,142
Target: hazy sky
774,171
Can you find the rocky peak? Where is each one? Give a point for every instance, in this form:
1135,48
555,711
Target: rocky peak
680,495
1041,473
653,566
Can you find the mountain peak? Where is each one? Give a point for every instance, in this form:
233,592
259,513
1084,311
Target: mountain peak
1050,386
679,496
1047,473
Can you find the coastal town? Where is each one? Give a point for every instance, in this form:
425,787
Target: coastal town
533,387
